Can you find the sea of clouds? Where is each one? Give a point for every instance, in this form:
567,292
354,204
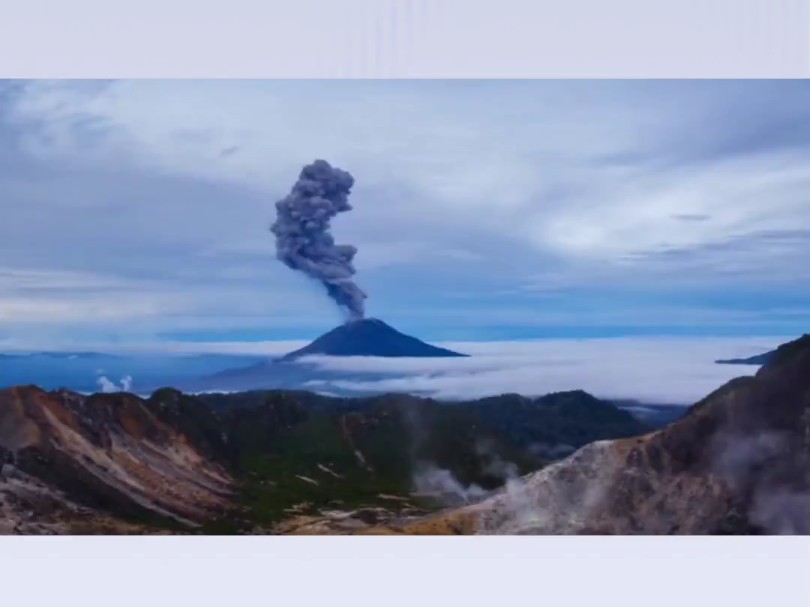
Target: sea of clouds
648,370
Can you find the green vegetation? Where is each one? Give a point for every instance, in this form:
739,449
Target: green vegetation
298,452
564,418
297,455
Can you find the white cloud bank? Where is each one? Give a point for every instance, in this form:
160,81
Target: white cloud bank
107,386
650,370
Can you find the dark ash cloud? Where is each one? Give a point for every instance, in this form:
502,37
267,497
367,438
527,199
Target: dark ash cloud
303,241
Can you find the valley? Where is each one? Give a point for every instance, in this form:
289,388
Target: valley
282,461
245,462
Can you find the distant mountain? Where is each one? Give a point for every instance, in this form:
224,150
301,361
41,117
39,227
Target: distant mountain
758,359
554,422
369,337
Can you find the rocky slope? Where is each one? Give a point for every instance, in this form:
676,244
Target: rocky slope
738,462
68,459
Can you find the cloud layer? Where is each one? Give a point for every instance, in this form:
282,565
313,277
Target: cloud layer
139,209
653,371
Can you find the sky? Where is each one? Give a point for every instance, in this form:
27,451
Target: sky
138,212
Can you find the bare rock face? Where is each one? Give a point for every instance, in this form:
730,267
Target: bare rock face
65,457
739,463
30,507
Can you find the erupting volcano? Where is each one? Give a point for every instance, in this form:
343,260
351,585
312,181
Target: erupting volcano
304,243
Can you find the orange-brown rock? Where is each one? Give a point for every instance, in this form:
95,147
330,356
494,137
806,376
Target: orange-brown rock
110,452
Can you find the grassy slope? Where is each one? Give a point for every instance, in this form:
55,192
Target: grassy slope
276,437
282,439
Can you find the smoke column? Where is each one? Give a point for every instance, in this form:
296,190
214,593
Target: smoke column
303,241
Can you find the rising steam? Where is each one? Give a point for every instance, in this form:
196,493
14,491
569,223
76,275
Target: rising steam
303,241
107,386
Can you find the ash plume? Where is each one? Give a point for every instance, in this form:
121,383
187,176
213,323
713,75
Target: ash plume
303,241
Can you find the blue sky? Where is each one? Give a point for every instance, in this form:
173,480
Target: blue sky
138,211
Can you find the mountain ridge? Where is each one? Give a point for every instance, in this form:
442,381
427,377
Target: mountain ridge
231,462
757,359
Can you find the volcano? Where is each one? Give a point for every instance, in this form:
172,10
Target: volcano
369,337
364,337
